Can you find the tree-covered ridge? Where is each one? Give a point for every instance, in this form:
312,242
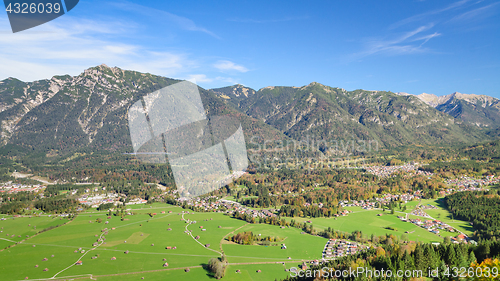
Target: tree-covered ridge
328,113
482,209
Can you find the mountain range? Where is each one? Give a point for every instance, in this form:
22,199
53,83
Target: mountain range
479,110
89,111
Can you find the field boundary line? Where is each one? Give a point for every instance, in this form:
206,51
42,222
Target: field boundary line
190,234
8,240
36,234
79,259
220,244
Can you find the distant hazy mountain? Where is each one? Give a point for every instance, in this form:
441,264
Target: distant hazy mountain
479,110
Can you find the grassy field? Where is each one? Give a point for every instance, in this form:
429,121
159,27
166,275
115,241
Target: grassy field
442,214
299,246
13,230
369,222
146,241
145,238
247,273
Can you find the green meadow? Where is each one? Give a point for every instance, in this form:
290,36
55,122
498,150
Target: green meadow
13,230
139,243
299,246
369,222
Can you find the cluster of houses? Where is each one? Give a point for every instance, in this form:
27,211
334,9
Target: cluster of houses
227,206
96,200
335,248
419,211
433,226
387,171
384,199
465,181
10,187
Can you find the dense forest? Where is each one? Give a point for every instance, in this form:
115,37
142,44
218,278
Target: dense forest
482,209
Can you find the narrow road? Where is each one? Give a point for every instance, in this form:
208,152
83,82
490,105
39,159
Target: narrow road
197,240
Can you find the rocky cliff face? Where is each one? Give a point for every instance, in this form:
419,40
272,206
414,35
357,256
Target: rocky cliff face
478,110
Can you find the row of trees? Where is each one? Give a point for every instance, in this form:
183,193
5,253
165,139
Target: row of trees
248,238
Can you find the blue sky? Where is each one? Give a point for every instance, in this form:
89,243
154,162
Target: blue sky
437,47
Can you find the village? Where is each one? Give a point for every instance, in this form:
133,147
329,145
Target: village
12,188
336,248
386,171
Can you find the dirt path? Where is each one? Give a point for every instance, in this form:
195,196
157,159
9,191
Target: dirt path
197,240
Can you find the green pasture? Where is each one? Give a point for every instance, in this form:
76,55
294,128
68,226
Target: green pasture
146,241
299,246
370,223
23,226
146,238
247,272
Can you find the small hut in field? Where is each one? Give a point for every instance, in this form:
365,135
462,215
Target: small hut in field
113,258
186,270
165,264
45,269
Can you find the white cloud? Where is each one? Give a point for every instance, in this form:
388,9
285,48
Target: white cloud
425,15
152,13
68,46
405,43
478,13
230,80
198,78
225,65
